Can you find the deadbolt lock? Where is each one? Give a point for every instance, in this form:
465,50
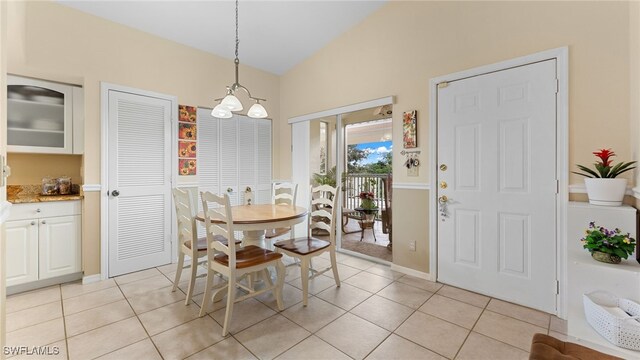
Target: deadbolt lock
443,184
443,167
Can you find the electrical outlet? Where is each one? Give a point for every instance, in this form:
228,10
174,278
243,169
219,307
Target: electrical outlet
412,246
412,171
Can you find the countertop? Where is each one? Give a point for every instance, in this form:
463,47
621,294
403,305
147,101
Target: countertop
33,198
26,194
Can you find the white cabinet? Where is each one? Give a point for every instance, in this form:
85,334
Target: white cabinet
22,251
44,117
43,245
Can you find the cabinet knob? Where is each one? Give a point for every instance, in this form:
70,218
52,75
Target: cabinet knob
38,210
44,221
33,223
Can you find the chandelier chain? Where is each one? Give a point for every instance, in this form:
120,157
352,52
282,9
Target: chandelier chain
237,39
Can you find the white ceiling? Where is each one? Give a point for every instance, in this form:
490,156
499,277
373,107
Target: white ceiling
274,35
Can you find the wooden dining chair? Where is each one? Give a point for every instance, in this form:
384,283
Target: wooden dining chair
225,259
187,232
322,216
283,193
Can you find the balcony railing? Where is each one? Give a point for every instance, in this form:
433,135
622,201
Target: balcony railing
356,183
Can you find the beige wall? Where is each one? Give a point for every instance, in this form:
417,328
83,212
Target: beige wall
396,50
30,168
53,42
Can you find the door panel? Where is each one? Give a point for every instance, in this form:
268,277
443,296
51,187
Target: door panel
59,244
140,170
22,244
496,134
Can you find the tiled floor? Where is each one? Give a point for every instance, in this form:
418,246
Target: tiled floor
375,314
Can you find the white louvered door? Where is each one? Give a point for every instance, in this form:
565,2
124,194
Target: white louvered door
246,155
208,157
263,161
229,158
139,182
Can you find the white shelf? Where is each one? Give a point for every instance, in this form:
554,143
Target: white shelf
36,130
34,103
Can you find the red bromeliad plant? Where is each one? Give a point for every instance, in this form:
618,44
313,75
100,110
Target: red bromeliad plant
604,168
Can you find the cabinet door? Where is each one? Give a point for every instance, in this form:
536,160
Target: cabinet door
229,158
39,116
59,242
263,161
22,251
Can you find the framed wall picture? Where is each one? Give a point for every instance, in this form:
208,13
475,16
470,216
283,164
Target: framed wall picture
187,113
410,129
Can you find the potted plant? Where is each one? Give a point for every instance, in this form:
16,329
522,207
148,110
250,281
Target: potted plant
609,246
603,188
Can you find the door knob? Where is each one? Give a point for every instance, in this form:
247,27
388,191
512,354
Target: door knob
44,221
229,190
115,193
33,223
443,199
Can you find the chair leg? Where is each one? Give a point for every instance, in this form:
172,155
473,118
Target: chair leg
192,280
334,266
280,270
231,299
267,277
207,292
304,269
178,271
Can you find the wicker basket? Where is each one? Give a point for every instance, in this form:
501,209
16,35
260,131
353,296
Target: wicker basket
623,330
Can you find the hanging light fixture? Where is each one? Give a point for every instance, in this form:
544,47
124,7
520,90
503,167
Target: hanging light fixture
230,102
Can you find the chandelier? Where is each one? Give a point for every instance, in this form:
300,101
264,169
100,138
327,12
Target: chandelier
230,102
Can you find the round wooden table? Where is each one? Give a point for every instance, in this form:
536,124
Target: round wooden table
254,220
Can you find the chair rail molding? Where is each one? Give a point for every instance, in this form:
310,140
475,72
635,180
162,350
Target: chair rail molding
581,189
91,187
411,186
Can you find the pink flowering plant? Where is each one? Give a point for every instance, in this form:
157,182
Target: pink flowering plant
366,200
614,242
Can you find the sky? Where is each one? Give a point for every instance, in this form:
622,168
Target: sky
376,150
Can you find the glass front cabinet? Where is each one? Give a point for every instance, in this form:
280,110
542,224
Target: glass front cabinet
44,117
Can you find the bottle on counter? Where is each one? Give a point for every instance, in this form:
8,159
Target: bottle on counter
49,186
64,185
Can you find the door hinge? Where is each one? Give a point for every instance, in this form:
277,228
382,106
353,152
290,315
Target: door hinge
557,186
557,86
557,287
443,85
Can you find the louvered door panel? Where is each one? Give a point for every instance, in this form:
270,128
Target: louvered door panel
263,161
208,157
246,155
229,158
139,169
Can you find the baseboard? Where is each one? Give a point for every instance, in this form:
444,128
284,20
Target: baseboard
38,284
91,279
412,272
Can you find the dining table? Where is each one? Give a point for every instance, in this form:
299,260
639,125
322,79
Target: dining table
254,220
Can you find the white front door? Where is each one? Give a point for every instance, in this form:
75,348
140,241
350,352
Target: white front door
139,171
497,168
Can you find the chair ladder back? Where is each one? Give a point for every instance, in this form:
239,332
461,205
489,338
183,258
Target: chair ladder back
219,222
323,198
184,215
284,193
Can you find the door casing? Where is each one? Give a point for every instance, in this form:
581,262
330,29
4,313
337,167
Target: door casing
104,166
562,156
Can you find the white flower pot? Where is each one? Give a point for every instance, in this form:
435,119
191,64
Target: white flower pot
605,192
